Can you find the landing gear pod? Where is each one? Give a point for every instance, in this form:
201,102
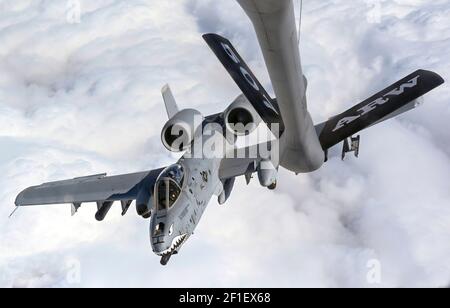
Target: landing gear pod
227,189
144,202
267,174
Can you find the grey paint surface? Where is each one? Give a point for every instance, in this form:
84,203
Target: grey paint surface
298,149
274,23
88,189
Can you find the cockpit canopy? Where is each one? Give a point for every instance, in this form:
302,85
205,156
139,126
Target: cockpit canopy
169,186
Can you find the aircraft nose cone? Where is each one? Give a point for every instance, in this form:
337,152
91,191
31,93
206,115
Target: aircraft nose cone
159,248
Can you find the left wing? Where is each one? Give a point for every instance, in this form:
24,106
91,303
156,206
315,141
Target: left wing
97,188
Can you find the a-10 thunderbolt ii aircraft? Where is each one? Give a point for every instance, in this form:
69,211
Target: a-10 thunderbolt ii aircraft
176,197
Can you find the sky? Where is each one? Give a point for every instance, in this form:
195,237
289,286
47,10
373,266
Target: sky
80,94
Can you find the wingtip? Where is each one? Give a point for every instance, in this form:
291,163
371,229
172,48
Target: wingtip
208,36
19,202
165,88
22,198
439,80
19,199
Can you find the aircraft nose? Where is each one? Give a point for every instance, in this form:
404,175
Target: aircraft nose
159,243
158,247
158,237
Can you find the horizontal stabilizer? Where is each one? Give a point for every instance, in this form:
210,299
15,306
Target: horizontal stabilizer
392,101
266,107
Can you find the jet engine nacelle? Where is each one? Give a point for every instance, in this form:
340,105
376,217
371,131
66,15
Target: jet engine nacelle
180,131
241,118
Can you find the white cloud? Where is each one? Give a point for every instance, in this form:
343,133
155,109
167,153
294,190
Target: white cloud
84,98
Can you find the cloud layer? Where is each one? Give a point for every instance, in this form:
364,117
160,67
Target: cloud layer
79,99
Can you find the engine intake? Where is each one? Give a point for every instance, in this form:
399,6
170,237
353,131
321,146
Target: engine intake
180,131
241,118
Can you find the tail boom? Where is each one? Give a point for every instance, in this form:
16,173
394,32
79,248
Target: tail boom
275,26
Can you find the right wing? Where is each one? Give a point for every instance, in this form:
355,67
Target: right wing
245,161
96,188
392,101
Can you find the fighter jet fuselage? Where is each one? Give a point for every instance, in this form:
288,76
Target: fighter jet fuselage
181,194
175,198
